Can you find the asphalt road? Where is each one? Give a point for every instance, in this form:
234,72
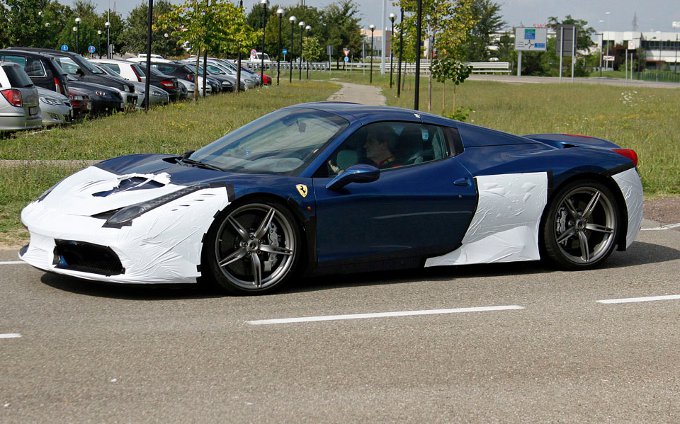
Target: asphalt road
547,351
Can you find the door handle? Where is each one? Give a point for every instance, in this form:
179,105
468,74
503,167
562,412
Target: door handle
463,182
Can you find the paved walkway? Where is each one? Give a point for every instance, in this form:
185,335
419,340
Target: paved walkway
357,93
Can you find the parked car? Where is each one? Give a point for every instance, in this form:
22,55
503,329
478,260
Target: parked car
302,191
80,101
103,100
158,96
221,75
55,108
42,69
19,107
183,72
81,70
247,75
136,71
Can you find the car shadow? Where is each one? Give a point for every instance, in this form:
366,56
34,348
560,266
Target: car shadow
640,253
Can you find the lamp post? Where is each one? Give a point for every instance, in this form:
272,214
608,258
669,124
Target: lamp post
77,30
308,28
607,58
401,49
279,13
370,74
264,31
99,42
392,16
302,27
419,25
292,20
107,24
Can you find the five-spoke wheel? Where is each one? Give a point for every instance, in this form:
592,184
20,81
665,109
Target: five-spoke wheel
252,248
582,225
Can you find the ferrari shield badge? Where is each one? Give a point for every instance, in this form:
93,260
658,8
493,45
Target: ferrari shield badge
302,189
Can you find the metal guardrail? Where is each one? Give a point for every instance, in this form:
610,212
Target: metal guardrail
407,68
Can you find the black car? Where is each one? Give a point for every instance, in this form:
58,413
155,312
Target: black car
43,69
77,67
184,71
103,100
168,83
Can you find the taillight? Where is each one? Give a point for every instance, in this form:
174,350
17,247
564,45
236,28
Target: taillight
190,77
167,83
139,79
629,153
13,96
57,87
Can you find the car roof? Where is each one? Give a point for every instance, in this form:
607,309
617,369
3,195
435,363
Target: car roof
367,113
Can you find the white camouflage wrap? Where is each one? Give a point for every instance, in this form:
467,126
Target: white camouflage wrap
505,227
161,246
631,188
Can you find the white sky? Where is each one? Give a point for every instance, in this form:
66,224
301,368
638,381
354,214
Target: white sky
603,15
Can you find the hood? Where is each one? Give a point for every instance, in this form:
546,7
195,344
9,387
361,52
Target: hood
125,181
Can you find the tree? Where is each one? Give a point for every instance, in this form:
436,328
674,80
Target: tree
25,22
480,37
4,25
341,24
134,34
584,35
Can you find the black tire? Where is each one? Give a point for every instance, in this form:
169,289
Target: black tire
581,226
252,248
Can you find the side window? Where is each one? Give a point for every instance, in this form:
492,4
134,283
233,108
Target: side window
35,68
389,145
112,66
68,65
16,59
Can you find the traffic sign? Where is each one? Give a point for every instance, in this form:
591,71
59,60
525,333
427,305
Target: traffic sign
91,49
64,47
284,51
346,59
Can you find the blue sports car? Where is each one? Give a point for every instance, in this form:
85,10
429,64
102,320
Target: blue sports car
338,187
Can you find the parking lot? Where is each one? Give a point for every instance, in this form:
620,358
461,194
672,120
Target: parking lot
494,343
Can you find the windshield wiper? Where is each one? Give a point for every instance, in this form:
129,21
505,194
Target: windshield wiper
198,164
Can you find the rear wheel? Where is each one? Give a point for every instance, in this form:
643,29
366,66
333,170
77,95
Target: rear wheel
582,225
252,248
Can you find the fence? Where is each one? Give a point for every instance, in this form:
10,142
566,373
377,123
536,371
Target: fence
407,68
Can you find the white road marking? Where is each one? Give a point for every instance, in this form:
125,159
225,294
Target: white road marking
384,315
12,262
640,299
662,227
10,336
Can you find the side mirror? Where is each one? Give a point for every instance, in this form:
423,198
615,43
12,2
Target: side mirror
354,174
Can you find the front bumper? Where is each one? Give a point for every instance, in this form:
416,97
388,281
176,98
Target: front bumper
161,246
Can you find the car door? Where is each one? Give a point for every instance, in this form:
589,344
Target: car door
414,210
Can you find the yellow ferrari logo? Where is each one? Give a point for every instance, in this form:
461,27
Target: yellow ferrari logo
302,189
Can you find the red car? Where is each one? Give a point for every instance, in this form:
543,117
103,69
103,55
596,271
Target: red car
267,79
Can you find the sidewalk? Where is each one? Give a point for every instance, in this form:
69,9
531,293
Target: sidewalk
357,93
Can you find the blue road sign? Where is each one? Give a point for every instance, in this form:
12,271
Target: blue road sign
284,51
64,47
91,49
346,59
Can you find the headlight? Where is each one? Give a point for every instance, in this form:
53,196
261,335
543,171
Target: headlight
50,101
125,215
100,93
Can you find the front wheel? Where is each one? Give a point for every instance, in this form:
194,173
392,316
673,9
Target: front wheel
252,248
582,225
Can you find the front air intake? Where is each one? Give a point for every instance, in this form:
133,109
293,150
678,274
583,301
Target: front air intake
86,257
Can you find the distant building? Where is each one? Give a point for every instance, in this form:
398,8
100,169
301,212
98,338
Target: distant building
660,50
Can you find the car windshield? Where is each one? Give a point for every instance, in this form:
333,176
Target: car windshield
282,142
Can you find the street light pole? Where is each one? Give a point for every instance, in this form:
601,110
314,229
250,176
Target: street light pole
99,42
370,74
107,24
264,31
279,13
307,28
77,35
391,49
419,24
401,49
292,20
302,27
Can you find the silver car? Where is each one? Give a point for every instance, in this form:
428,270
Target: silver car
55,108
19,107
158,97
